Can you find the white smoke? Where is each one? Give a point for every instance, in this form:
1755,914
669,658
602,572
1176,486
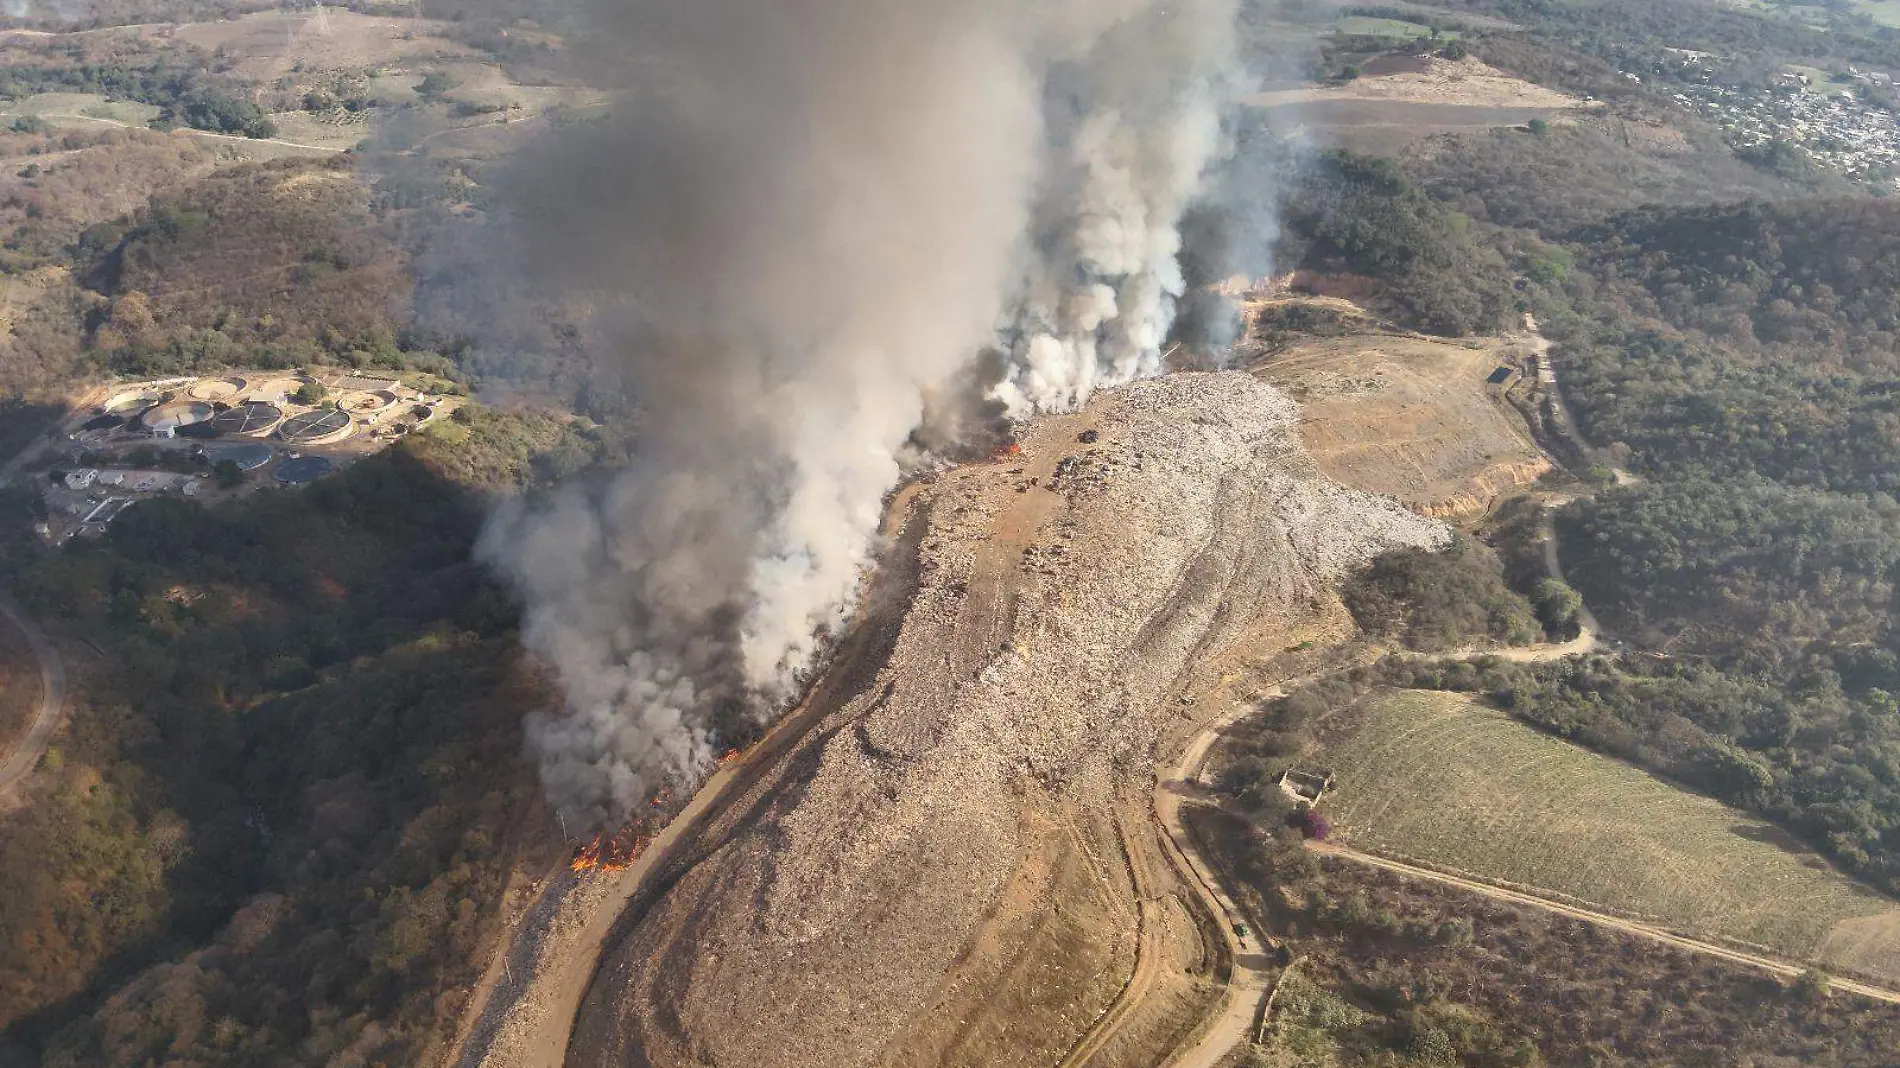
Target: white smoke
804,222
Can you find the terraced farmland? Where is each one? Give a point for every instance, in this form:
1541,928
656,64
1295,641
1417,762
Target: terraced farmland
1440,780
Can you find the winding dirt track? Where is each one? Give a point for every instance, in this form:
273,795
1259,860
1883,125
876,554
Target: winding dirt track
1783,968
675,846
568,986
19,763
1250,980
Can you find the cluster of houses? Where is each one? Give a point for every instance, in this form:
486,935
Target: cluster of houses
1840,122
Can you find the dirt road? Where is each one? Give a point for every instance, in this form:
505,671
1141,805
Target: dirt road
1586,620
1148,953
553,998
560,993
1783,968
19,763
189,131
1251,978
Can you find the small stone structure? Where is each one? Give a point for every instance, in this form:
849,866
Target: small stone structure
1306,786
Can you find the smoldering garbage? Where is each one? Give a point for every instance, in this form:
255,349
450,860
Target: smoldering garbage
804,230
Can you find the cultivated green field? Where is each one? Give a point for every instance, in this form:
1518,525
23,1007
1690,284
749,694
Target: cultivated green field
1437,779
80,110
1358,26
1884,12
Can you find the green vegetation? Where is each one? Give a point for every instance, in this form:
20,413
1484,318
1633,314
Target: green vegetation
1394,973
436,83
1401,29
1748,569
280,824
1727,332
180,88
1423,769
194,281
1360,215
1434,601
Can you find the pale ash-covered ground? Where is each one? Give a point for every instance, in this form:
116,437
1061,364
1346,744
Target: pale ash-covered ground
885,895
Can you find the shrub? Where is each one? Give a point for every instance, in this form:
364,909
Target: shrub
1312,823
1811,985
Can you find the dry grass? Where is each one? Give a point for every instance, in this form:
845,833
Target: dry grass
1588,995
1409,417
1467,82
267,45
1436,778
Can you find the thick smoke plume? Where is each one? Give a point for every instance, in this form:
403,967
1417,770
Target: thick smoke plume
810,228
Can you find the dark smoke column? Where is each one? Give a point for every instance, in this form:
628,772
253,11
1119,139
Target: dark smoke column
801,220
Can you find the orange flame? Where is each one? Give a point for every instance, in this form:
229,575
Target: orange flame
615,852
731,755
1004,452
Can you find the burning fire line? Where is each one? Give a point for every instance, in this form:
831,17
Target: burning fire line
617,851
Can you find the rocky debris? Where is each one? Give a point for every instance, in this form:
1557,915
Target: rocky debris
1043,651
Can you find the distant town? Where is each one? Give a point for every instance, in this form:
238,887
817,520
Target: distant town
1838,121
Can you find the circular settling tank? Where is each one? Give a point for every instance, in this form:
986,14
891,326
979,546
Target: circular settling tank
248,457
303,469
316,427
252,419
215,389
370,403
130,401
169,417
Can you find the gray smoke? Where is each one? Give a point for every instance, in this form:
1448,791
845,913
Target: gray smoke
809,228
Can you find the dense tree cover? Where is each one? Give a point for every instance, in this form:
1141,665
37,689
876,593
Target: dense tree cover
1397,972
182,90
197,279
1631,34
1354,214
1582,173
277,826
1434,601
1817,281
79,178
1744,568
221,253
1677,402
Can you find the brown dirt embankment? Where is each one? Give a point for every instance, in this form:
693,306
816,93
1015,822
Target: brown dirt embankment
957,864
1412,417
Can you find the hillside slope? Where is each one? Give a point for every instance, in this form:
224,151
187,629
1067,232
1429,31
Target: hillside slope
889,894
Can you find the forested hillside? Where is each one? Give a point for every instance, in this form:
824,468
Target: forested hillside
292,786
1741,358
1816,281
